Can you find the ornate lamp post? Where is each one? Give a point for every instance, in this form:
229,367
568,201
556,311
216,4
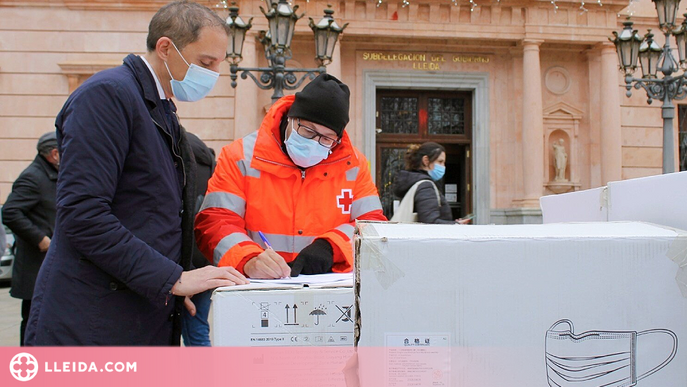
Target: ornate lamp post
653,58
277,44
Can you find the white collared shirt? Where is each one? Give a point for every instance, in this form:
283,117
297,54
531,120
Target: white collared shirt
160,90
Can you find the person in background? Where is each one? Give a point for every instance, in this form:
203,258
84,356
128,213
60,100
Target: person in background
426,162
195,328
299,181
3,237
30,213
117,271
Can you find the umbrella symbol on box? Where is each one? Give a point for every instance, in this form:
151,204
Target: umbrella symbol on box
317,313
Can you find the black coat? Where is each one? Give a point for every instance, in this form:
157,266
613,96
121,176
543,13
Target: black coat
205,165
426,205
123,232
30,213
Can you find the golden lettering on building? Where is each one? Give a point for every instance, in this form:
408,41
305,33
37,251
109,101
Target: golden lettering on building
427,62
426,66
470,59
396,57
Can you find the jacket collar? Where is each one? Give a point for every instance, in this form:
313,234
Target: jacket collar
149,88
49,169
144,77
268,153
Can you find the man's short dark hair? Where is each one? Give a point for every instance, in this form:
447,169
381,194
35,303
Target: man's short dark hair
181,21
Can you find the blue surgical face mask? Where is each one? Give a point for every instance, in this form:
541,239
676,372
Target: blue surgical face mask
304,152
437,172
196,84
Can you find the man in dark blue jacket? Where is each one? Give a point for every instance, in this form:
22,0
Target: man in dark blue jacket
113,273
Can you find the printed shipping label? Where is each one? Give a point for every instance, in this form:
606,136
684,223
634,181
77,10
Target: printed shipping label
417,359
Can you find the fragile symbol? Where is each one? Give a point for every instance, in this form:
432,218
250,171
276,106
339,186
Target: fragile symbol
345,313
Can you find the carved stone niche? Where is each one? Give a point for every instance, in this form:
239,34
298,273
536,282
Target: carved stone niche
561,122
78,72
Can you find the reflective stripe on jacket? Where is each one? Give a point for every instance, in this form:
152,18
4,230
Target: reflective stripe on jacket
256,187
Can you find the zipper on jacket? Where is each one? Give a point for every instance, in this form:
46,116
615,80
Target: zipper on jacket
280,164
302,170
183,169
335,161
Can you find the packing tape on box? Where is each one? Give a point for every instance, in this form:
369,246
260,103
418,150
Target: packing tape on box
373,251
603,198
678,254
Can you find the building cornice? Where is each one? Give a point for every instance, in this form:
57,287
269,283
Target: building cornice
115,5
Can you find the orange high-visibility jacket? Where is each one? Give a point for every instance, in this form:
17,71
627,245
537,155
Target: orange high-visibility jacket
256,187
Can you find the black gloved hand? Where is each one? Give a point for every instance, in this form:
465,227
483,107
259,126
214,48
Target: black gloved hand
317,258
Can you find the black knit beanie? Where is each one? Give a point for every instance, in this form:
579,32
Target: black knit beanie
324,101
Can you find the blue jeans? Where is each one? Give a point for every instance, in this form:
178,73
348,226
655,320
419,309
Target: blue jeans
195,329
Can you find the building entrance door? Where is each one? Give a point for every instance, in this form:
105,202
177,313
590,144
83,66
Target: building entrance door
405,117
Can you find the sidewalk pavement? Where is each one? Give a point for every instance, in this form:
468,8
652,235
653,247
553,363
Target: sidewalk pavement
10,318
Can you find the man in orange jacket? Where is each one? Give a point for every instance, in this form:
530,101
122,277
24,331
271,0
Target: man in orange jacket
299,181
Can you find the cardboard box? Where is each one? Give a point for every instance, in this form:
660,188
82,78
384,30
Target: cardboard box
521,305
583,206
258,315
655,199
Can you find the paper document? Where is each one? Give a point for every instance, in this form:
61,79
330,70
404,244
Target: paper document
314,281
303,279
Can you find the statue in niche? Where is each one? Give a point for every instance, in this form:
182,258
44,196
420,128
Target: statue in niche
560,160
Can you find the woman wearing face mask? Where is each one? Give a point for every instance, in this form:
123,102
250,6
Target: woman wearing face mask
425,162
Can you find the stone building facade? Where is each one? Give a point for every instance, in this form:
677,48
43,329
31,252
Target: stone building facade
497,84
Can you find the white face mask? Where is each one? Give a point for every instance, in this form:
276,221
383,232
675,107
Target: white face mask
596,358
304,152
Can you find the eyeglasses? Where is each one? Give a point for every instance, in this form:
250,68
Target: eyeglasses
311,134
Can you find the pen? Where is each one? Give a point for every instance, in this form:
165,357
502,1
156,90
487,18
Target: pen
264,239
267,243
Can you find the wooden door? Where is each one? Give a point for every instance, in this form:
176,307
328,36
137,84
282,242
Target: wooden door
405,117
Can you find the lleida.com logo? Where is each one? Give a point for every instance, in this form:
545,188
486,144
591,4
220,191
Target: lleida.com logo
23,367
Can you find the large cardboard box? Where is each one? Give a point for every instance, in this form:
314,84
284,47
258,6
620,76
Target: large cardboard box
571,305
274,314
655,199
583,206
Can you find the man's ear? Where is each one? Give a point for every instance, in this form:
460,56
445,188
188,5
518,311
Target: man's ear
163,47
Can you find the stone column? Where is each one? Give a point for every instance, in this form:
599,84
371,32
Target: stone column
246,95
611,144
532,125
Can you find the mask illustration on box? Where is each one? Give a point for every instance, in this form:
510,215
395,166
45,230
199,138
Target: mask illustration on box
601,358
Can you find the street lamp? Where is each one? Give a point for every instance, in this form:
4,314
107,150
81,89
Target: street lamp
653,59
281,18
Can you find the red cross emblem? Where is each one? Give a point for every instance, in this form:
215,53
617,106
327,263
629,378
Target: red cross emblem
345,201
